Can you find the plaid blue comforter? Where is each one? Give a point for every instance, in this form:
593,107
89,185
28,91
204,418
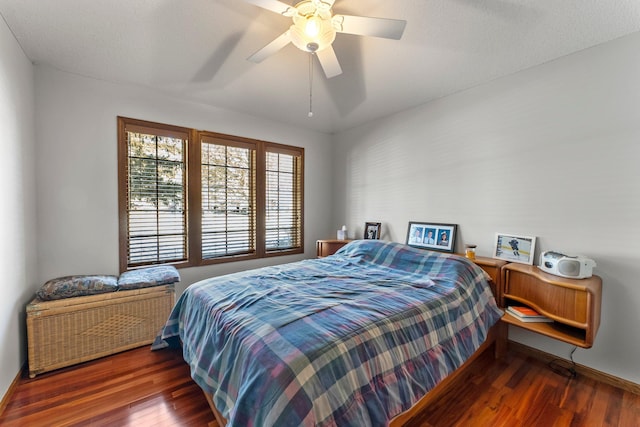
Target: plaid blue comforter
350,340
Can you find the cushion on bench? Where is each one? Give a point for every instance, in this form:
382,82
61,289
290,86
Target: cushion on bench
74,286
83,285
150,276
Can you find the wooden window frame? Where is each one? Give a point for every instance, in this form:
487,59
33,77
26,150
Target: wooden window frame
193,191
125,125
297,153
196,196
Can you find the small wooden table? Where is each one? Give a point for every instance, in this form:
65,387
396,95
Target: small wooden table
326,247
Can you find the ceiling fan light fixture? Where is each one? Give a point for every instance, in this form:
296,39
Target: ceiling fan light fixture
312,29
312,26
325,36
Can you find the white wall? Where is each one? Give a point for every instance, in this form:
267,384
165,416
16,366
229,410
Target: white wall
17,215
77,169
552,152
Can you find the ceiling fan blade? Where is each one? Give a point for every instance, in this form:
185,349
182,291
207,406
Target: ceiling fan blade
329,62
364,26
275,6
277,44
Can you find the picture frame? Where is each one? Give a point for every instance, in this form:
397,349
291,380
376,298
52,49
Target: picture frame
514,248
372,230
432,235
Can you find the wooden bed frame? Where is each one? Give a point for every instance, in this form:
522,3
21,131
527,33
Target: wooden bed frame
446,384
496,339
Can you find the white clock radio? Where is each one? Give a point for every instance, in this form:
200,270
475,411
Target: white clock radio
574,267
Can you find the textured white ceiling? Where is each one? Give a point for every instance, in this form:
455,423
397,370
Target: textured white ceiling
197,49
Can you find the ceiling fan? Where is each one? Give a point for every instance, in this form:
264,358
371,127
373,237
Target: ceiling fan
315,26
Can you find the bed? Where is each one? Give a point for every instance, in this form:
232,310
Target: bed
354,339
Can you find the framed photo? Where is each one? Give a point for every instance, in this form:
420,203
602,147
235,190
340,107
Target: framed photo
372,230
429,235
514,248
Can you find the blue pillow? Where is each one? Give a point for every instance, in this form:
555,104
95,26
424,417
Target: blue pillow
149,276
77,286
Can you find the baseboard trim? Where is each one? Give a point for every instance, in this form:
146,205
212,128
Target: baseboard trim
580,369
7,396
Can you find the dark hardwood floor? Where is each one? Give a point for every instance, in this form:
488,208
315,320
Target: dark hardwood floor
136,388
145,388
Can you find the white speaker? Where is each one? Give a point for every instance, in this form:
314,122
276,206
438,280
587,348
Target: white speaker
569,267
574,267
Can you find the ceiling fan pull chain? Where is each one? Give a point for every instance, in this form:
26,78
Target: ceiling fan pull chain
311,84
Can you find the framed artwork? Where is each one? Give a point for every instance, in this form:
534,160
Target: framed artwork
372,230
430,235
514,248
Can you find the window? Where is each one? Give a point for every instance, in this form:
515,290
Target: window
192,197
228,198
283,207
152,167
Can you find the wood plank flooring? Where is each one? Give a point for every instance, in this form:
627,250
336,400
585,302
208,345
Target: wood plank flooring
145,388
135,388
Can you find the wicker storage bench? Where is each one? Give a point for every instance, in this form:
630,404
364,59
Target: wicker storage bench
64,332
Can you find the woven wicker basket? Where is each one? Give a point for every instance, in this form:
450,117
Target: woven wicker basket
65,332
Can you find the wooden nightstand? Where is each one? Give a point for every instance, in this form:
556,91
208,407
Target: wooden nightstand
573,304
328,247
493,268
